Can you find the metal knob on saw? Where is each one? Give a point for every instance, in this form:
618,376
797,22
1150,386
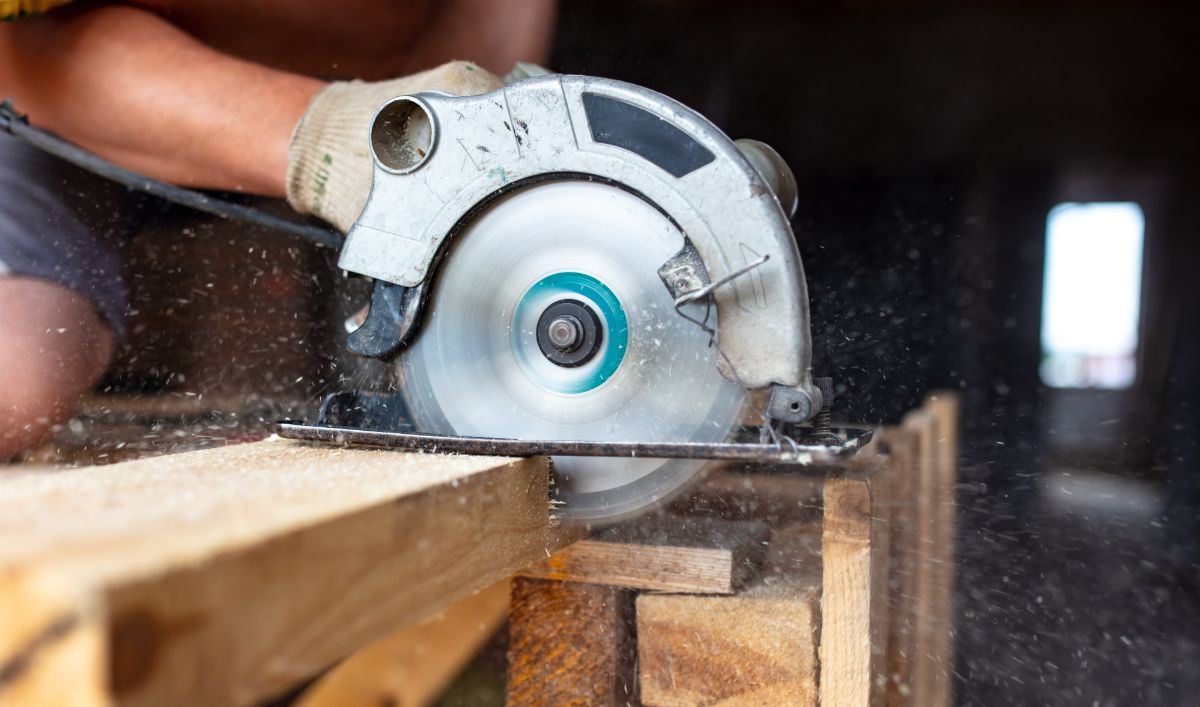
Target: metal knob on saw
774,170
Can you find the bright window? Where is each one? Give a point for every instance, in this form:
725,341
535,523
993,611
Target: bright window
1092,299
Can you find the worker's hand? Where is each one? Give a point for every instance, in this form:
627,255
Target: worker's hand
329,162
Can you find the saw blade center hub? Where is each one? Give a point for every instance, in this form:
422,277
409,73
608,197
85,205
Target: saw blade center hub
569,333
566,333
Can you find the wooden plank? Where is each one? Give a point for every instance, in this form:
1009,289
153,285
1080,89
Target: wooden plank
881,537
902,447
414,666
932,652
944,408
228,575
921,423
853,604
668,553
570,644
756,647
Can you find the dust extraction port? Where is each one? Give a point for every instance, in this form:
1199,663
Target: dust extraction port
403,135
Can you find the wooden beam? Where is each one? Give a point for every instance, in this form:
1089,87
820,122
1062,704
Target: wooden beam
944,408
667,553
903,449
756,647
881,554
854,597
570,644
228,575
934,427
413,667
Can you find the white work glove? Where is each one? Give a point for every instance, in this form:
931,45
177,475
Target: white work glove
329,160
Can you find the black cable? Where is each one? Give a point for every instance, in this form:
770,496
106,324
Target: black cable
18,126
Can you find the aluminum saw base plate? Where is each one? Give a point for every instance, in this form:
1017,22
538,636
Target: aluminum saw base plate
792,456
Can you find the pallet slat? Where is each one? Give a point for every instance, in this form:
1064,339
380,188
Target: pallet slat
902,449
413,667
854,555
698,556
228,575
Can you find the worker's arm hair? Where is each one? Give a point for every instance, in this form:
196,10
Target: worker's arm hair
133,88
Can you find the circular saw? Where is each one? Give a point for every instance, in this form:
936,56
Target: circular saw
587,269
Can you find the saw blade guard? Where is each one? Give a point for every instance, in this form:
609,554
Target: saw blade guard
440,160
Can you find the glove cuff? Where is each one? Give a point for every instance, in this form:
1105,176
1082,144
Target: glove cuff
325,160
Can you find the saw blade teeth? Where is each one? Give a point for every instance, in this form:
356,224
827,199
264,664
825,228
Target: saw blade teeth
477,367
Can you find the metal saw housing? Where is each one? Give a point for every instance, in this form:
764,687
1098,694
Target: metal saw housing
440,159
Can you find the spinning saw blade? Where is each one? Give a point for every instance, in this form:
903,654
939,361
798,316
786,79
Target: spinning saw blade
577,259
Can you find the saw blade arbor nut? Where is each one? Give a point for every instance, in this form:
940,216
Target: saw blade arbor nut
566,333
569,333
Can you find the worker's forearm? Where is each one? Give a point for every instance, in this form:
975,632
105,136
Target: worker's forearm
135,89
494,33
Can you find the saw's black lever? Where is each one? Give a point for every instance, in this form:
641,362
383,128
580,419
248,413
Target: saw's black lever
391,320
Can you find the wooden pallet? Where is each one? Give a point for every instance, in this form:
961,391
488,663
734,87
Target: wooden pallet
761,589
230,575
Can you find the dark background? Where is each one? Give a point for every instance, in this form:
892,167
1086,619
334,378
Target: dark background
929,140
